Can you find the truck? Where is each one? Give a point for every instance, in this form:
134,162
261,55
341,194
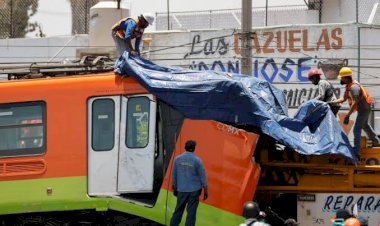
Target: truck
83,145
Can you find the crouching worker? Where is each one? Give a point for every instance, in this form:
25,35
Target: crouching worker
129,28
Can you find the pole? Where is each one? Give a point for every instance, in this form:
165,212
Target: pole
357,11
246,42
359,43
11,35
85,18
266,13
167,9
357,24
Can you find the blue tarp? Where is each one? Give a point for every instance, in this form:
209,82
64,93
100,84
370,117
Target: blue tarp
236,98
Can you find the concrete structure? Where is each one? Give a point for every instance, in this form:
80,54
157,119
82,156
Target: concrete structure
102,17
52,49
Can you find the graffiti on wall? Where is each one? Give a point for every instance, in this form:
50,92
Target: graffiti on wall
212,47
365,203
271,69
215,54
208,47
217,65
293,41
296,97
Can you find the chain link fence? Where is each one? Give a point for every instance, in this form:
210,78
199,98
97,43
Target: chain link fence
231,18
312,12
81,15
368,11
16,16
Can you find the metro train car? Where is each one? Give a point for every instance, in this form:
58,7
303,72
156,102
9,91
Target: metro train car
98,149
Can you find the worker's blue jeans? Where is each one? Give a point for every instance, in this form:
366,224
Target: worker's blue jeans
362,123
191,199
120,44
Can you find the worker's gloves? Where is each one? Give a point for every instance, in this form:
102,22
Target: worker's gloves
175,192
134,52
205,194
346,119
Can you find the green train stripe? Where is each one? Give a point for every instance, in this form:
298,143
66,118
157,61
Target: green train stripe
70,193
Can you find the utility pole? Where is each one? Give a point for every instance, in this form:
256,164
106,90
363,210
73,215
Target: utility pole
167,6
246,42
11,30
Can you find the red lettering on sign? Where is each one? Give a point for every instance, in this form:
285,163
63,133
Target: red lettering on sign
293,41
269,41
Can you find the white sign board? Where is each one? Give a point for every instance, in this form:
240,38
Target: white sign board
321,210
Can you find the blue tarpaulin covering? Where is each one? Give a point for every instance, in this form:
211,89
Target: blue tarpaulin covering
235,98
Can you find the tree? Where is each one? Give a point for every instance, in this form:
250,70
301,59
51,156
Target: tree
14,18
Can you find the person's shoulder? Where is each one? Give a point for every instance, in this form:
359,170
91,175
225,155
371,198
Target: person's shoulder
258,223
130,21
197,158
355,86
180,156
324,82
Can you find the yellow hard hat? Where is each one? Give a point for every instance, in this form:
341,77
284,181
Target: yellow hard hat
344,72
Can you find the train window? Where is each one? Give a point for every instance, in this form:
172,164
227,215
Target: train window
137,134
103,124
22,129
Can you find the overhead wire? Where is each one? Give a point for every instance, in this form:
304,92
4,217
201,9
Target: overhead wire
156,52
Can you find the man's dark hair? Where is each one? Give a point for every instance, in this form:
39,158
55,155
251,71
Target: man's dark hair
190,145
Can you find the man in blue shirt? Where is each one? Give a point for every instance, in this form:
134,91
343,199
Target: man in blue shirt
129,28
188,178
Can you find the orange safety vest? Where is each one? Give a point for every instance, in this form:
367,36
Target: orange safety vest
138,32
349,97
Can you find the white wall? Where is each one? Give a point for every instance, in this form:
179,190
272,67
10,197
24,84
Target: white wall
54,49
322,210
344,11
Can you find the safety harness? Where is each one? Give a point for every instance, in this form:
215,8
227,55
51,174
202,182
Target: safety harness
120,32
349,97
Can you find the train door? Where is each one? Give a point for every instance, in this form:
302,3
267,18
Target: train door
121,138
103,144
137,144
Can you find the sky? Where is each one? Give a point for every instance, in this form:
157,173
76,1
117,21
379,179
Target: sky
55,15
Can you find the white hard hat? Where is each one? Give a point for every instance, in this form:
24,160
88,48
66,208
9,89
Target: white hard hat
149,17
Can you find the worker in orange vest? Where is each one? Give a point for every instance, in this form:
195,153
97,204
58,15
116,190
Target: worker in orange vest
352,222
359,100
129,28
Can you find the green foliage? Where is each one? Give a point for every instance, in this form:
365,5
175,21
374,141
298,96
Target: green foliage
14,18
142,133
